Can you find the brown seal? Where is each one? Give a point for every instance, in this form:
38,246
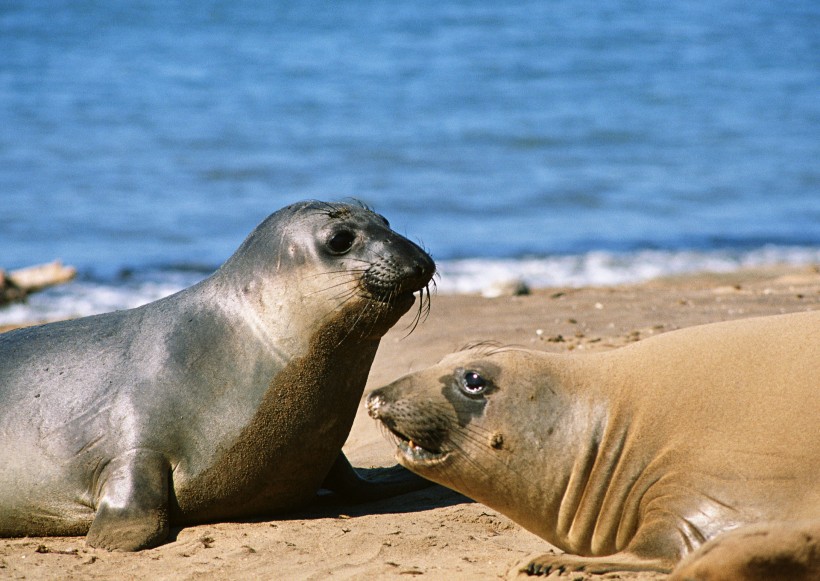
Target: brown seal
229,399
627,459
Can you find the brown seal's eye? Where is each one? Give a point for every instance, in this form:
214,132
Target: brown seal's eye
341,242
472,383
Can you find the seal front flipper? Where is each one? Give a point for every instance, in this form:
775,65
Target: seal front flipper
558,562
345,481
132,505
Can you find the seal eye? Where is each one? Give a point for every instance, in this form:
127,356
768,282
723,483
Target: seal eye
472,383
341,242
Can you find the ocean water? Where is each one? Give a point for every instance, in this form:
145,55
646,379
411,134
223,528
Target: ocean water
559,142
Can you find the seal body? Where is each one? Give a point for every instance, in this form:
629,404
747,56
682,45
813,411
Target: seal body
627,459
228,399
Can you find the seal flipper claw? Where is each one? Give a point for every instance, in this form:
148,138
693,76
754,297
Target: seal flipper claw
345,481
562,562
132,510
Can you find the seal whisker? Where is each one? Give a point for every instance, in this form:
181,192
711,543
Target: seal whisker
429,301
373,307
333,286
416,317
466,439
422,312
369,307
353,273
363,314
487,348
368,262
336,273
341,297
483,463
331,210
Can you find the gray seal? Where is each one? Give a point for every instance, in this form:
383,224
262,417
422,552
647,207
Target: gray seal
629,459
229,399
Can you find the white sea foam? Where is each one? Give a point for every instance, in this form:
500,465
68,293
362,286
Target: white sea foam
83,298
599,268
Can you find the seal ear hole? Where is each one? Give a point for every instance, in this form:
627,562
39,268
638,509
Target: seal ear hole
472,383
341,242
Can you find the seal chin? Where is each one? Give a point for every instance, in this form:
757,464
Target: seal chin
404,301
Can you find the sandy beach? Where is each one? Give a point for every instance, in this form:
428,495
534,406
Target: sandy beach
435,533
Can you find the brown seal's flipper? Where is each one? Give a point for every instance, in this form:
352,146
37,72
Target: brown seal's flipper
345,481
766,551
132,511
561,562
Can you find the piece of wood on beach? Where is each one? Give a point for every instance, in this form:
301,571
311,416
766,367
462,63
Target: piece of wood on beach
16,285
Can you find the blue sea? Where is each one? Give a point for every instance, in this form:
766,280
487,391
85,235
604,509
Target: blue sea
560,142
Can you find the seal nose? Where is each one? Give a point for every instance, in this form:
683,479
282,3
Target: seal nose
426,268
374,402
402,267
421,269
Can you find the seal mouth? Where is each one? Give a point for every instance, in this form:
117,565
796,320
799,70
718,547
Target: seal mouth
396,421
397,295
412,451
404,299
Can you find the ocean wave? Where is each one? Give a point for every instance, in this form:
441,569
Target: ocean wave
604,268
86,297
89,296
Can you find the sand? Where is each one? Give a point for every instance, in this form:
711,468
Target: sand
435,533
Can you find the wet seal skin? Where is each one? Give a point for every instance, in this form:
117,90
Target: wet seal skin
632,459
228,399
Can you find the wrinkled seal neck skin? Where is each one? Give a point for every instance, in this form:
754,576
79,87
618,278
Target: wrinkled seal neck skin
478,448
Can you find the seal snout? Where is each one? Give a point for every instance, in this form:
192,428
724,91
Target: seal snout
419,434
373,403
403,270
390,277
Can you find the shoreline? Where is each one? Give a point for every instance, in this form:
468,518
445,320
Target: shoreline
435,533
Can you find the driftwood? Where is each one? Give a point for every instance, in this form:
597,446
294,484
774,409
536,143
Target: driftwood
16,285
